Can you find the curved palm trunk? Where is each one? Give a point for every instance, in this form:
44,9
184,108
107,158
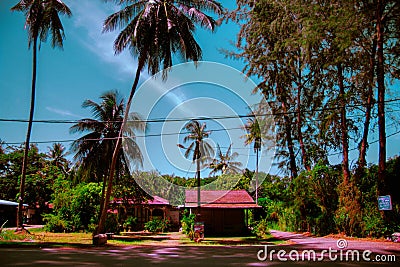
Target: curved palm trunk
28,137
118,145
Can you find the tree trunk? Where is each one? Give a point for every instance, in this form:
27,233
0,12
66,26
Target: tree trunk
343,125
362,162
198,156
381,99
300,121
100,228
27,141
289,140
257,175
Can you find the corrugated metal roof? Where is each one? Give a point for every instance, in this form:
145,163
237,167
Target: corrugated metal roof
220,199
155,201
9,203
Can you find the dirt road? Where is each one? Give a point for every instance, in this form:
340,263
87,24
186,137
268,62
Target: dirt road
306,242
251,255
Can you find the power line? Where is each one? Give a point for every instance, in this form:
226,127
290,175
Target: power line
372,142
202,118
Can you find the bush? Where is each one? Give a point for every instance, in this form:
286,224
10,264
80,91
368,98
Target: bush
112,225
187,223
130,223
261,229
56,224
156,225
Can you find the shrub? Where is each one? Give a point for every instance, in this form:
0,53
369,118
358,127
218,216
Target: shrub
130,222
261,229
56,224
187,223
156,225
112,225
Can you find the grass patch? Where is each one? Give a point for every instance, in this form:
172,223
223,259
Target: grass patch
11,235
40,236
127,242
232,241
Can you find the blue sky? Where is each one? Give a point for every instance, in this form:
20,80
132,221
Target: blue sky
86,68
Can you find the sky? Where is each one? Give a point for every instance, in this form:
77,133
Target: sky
87,67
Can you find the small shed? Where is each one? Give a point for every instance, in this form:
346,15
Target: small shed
223,212
8,212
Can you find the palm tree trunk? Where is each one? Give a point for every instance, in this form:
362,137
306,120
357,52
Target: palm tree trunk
197,156
198,185
118,145
257,176
103,192
381,99
343,122
28,137
362,162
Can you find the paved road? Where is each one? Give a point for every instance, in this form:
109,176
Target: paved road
306,242
202,255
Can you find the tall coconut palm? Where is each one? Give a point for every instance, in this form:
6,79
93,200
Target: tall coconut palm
154,30
199,148
42,20
253,136
93,151
225,163
56,155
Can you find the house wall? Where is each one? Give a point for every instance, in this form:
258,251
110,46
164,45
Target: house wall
173,216
223,221
9,214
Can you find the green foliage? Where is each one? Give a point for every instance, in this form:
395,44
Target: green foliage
11,235
156,225
130,222
112,224
55,223
75,208
187,223
261,229
349,214
85,204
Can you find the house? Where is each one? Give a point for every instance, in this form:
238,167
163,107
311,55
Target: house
222,211
157,207
8,212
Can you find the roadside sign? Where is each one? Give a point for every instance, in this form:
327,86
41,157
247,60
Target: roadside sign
384,203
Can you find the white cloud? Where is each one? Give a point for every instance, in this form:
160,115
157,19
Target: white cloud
89,15
62,112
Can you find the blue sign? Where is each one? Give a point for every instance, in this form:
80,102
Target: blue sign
384,203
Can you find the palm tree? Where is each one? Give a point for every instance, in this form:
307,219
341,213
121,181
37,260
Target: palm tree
93,151
42,19
57,155
200,149
154,30
253,136
225,162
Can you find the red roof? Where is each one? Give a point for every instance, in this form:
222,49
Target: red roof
220,199
156,201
